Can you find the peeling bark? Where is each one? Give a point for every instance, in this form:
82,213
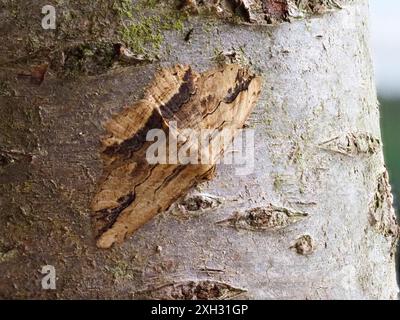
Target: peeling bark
382,214
304,245
261,12
317,85
266,218
192,290
196,203
353,144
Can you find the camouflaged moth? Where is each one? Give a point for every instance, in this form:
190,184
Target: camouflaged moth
132,190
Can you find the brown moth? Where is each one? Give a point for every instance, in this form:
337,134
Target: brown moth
132,190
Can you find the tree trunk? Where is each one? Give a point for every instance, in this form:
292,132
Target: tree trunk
313,221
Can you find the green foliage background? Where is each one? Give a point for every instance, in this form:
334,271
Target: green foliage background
390,119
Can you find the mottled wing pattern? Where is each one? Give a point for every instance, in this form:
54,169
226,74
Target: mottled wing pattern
133,191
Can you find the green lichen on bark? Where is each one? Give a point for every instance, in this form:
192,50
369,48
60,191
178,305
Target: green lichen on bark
8,255
5,89
140,25
88,58
122,271
143,24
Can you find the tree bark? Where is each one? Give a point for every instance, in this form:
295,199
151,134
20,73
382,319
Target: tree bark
315,219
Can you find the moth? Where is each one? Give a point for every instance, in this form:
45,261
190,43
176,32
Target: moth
133,190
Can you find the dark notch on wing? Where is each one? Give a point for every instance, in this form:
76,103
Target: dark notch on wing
108,216
131,145
185,92
242,84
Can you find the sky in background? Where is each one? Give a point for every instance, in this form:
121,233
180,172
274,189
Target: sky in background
385,27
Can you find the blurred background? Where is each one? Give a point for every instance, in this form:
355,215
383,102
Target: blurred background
385,27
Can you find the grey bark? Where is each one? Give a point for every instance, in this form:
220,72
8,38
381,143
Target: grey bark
318,85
